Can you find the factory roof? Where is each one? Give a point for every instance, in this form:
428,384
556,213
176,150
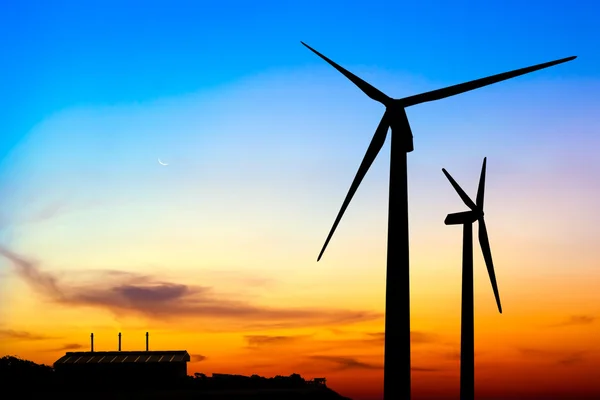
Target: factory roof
102,357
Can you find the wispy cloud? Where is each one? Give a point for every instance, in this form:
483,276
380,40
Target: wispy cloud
452,355
345,339
561,358
22,335
49,210
38,280
348,340
197,357
72,346
256,341
528,351
41,211
344,363
124,292
307,343
68,347
376,336
416,337
575,320
573,358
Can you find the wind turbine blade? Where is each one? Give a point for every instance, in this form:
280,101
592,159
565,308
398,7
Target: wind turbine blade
487,256
367,88
466,199
476,84
481,187
372,151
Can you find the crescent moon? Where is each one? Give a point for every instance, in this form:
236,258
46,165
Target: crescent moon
162,163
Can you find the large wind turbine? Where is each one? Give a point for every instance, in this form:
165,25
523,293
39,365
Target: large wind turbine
466,219
396,372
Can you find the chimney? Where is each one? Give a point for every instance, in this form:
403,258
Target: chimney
92,336
119,341
146,341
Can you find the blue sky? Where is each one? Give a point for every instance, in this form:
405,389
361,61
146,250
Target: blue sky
66,53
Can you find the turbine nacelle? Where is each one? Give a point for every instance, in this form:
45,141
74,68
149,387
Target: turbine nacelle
398,122
461,218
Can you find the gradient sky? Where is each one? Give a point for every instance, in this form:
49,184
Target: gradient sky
216,252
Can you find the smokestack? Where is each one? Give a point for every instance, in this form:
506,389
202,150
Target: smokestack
119,341
92,336
146,341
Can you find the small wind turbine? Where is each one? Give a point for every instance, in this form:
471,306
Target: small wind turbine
466,219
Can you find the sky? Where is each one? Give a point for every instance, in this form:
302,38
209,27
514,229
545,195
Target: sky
215,253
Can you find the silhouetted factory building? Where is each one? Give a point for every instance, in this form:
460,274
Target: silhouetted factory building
122,368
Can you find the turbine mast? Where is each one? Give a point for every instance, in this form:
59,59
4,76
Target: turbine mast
467,325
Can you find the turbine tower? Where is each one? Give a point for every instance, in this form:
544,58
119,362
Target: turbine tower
467,329
396,371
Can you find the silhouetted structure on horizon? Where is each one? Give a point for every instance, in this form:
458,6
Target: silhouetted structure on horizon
319,381
396,371
26,379
122,368
467,326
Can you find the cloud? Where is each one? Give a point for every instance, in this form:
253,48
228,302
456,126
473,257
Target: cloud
416,337
527,351
129,293
346,340
575,320
573,358
255,341
560,357
72,346
68,347
22,335
197,357
344,363
376,336
41,210
48,211
39,281
452,355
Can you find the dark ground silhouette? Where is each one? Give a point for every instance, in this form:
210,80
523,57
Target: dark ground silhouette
397,368
23,378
